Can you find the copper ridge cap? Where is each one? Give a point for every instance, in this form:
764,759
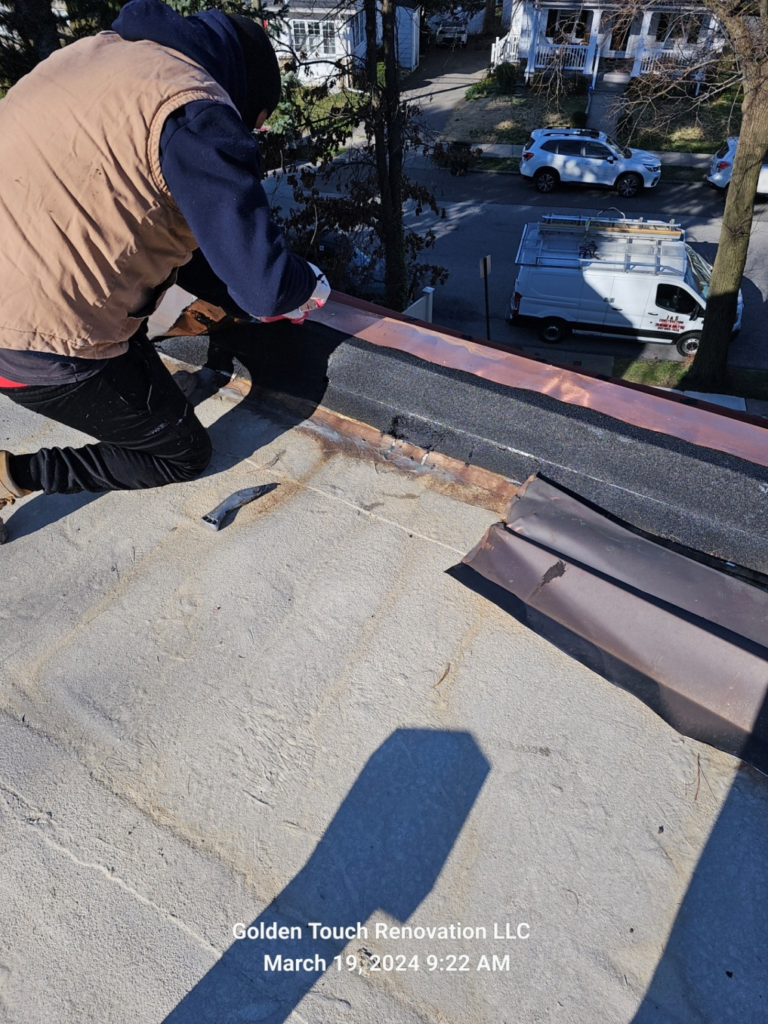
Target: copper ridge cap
699,423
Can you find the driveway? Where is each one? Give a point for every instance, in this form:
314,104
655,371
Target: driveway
442,79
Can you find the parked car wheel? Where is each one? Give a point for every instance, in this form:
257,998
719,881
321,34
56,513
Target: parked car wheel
553,329
546,180
688,344
629,185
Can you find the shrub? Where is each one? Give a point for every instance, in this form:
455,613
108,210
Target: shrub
483,88
579,119
505,77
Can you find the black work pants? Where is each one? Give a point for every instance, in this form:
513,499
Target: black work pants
148,432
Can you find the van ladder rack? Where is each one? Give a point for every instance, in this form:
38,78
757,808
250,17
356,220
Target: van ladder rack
615,226
639,246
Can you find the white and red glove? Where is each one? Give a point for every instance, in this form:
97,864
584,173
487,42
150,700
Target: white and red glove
318,298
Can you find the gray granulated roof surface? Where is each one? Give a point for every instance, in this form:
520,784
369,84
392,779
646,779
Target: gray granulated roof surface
306,718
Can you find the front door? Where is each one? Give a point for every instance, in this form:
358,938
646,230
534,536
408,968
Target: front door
617,38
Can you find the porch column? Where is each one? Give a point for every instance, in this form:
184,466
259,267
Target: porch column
533,43
593,47
709,30
640,49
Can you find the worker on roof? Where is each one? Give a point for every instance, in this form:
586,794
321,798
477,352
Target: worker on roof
122,154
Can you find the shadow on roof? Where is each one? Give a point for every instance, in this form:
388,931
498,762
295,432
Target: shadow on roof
384,850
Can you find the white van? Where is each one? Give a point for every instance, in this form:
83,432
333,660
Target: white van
612,277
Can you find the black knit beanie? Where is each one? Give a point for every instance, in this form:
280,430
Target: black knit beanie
261,68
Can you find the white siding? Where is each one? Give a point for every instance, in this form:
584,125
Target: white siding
341,35
320,38
408,21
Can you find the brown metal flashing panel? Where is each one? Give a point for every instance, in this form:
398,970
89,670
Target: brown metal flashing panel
660,412
554,519
697,661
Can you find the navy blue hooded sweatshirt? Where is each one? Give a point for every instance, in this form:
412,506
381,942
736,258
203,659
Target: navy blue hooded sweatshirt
210,160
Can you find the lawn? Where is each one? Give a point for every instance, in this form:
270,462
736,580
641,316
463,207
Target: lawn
498,164
492,117
494,112
657,373
680,125
672,173
665,374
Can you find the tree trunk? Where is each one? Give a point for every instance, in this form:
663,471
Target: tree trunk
387,131
489,16
396,272
710,368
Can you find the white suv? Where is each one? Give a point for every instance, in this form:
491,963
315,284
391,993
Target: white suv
553,155
721,168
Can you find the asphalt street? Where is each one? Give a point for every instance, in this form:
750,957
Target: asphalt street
485,214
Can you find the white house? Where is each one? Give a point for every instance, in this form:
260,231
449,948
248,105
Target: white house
589,38
325,33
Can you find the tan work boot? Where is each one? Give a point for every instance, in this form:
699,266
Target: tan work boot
9,491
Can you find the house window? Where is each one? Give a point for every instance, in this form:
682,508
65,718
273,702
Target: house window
329,38
306,35
620,32
314,36
673,30
574,26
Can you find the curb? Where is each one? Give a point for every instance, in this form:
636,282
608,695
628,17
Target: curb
667,158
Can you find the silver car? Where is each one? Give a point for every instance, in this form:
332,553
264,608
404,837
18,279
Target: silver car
721,168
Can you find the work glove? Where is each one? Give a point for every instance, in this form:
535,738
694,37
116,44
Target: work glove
318,298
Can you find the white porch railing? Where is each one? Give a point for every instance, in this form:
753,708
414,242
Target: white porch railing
568,57
505,51
576,57
680,58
